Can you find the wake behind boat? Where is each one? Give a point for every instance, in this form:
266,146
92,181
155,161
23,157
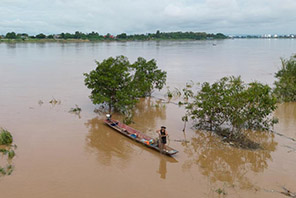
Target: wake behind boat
138,136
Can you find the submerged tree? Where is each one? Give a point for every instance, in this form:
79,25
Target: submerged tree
285,87
6,149
148,76
119,84
5,137
111,83
232,104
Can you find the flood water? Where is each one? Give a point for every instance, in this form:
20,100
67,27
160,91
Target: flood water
60,154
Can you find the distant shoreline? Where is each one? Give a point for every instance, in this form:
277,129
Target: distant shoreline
94,36
44,41
92,41
115,40
79,37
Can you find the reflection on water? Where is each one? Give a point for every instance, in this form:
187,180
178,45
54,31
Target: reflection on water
164,161
286,113
147,112
111,146
162,168
224,163
11,45
106,143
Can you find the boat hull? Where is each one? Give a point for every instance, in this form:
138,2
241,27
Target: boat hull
138,136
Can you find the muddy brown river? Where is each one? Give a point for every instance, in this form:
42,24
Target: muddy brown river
61,154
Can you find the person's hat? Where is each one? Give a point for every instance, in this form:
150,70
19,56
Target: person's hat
163,127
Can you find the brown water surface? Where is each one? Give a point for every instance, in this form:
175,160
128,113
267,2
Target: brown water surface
60,154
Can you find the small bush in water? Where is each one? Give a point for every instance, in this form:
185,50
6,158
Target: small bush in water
11,154
75,110
5,137
6,170
230,103
285,86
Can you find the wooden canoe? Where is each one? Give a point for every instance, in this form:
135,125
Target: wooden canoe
138,136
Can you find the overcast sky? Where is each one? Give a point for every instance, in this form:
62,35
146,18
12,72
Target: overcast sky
142,16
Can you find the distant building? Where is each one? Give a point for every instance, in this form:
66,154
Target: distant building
23,36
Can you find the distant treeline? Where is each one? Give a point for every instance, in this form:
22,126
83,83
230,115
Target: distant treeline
94,36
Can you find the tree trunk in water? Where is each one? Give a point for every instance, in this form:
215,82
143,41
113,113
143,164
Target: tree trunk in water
184,126
110,107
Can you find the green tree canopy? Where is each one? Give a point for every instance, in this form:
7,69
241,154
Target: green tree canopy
5,137
117,83
122,36
41,36
148,76
95,36
11,35
285,87
233,104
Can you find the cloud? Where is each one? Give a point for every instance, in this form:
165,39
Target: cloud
141,16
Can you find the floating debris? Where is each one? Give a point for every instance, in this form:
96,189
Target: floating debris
54,101
77,109
98,111
40,102
282,135
291,148
288,192
185,141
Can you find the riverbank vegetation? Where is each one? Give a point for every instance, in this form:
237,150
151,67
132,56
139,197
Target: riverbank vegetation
95,36
6,149
285,86
227,107
5,137
230,106
118,84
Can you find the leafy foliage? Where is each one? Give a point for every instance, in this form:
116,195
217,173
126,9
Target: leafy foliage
11,35
169,93
148,76
117,83
230,103
285,87
6,150
110,83
41,36
5,137
11,154
7,170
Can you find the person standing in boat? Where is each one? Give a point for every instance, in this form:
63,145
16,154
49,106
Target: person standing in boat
162,137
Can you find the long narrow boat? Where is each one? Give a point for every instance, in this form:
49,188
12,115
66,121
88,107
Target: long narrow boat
138,136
